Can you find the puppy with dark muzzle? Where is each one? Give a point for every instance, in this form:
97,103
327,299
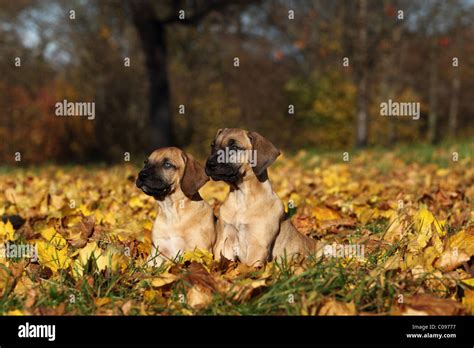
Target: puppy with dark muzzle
184,221
252,225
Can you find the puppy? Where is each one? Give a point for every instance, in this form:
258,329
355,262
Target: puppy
252,225
184,221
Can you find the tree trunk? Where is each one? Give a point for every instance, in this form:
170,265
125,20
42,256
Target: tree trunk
152,35
455,90
454,105
433,98
362,77
392,67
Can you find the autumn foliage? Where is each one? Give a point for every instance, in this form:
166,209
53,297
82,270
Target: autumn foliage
92,230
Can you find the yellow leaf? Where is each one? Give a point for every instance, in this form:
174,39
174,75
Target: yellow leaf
152,295
429,255
53,237
135,202
5,278
112,260
451,259
163,279
15,312
102,301
7,232
424,232
203,257
90,250
459,249
199,297
214,190
323,213
396,229
423,220
469,282
85,211
463,240
51,257
110,219
393,262
333,307
468,300
77,269
296,199
365,214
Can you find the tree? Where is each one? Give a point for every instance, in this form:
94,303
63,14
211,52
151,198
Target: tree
362,73
151,30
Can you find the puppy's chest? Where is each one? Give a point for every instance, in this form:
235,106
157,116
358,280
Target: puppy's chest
169,227
239,213
233,214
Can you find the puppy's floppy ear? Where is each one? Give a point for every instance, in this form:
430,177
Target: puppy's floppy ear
267,153
219,131
194,176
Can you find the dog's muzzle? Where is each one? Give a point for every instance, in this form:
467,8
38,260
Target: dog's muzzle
221,171
152,186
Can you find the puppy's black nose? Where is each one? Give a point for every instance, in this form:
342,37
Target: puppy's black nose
211,164
142,175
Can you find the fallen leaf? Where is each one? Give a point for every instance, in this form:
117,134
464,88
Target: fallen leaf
468,300
51,236
6,231
324,214
80,233
425,304
199,296
102,301
126,307
203,257
468,282
49,256
333,307
163,279
91,250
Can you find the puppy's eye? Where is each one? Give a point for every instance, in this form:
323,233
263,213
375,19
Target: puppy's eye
213,144
235,147
167,165
145,162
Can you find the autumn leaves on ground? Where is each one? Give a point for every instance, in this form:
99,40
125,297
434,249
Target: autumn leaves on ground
409,212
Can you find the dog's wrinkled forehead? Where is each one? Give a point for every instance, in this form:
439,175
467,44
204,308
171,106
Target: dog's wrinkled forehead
170,154
228,136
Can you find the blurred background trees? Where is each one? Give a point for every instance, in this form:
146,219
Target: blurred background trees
313,81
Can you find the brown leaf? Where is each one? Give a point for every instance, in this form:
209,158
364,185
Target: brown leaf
333,307
347,222
199,296
126,307
425,304
163,279
198,275
451,259
248,289
30,298
80,233
468,300
59,310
